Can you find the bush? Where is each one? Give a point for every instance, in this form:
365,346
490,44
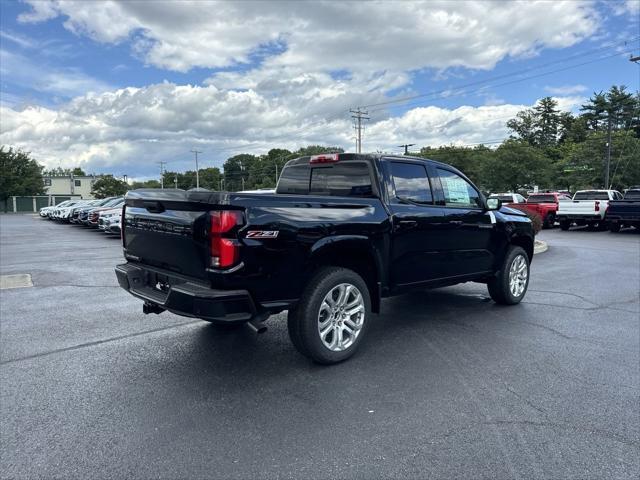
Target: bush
536,220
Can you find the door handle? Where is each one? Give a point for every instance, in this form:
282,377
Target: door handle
407,223
457,223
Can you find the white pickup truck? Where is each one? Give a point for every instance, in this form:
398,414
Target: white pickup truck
588,207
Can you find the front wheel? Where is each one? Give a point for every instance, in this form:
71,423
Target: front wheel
564,225
614,227
510,284
332,316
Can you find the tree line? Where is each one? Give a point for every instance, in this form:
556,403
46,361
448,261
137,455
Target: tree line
546,148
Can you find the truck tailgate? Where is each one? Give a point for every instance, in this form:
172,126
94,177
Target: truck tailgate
169,229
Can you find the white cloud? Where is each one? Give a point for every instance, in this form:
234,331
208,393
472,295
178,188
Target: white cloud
625,7
128,130
326,36
65,82
20,40
566,89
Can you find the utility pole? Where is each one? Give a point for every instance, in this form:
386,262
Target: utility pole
359,115
276,173
162,164
608,160
175,182
406,147
197,170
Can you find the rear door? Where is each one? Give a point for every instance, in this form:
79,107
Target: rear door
418,237
468,225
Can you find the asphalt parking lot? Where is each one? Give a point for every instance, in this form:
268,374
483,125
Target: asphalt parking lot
448,385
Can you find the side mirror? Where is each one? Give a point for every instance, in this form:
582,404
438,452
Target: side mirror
494,204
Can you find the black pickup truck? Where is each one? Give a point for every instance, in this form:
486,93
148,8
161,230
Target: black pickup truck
341,232
625,212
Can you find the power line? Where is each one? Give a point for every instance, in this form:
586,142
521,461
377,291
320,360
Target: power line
510,74
463,93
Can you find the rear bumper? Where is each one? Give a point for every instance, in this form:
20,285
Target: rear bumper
185,298
589,218
627,220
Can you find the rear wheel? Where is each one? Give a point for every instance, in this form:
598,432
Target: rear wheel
510,284
332,316
614,227
549,221
564,225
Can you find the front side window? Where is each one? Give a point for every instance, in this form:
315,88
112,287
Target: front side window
457,191
411,182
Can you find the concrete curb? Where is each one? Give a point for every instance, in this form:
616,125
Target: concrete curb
540,247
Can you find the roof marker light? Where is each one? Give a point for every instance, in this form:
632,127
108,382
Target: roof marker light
324,158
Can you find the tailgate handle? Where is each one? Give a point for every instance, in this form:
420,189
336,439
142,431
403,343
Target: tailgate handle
154,207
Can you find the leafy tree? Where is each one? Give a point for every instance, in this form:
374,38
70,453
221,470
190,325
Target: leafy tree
145,184
20,174
547,120
524,126
515,165
78,172
108,186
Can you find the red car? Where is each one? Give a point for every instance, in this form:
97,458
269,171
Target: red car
545,205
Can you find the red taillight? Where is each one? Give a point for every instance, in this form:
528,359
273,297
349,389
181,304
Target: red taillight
325,158
225,252
122,225
597,206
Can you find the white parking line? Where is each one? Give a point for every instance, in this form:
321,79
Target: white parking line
22,280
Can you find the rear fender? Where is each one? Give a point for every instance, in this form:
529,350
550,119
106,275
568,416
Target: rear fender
355,252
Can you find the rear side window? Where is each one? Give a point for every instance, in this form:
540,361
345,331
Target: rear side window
411,182
457,191
294,180
349,179
503,198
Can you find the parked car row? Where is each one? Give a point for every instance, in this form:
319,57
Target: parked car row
104,214
545,205
597,209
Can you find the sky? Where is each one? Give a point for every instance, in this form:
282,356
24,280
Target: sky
115,87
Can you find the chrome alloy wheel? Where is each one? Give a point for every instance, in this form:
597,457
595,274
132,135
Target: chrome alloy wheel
518,273
341,317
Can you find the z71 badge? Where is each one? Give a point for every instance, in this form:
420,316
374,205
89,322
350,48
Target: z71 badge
262,234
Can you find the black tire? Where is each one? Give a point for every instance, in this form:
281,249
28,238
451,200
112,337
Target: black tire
303,319
499,285
549,221
564,225
614,227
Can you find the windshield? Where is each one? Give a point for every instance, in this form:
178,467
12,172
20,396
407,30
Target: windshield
114,202
541,199
591,195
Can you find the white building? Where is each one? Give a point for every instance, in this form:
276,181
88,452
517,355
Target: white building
69,185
